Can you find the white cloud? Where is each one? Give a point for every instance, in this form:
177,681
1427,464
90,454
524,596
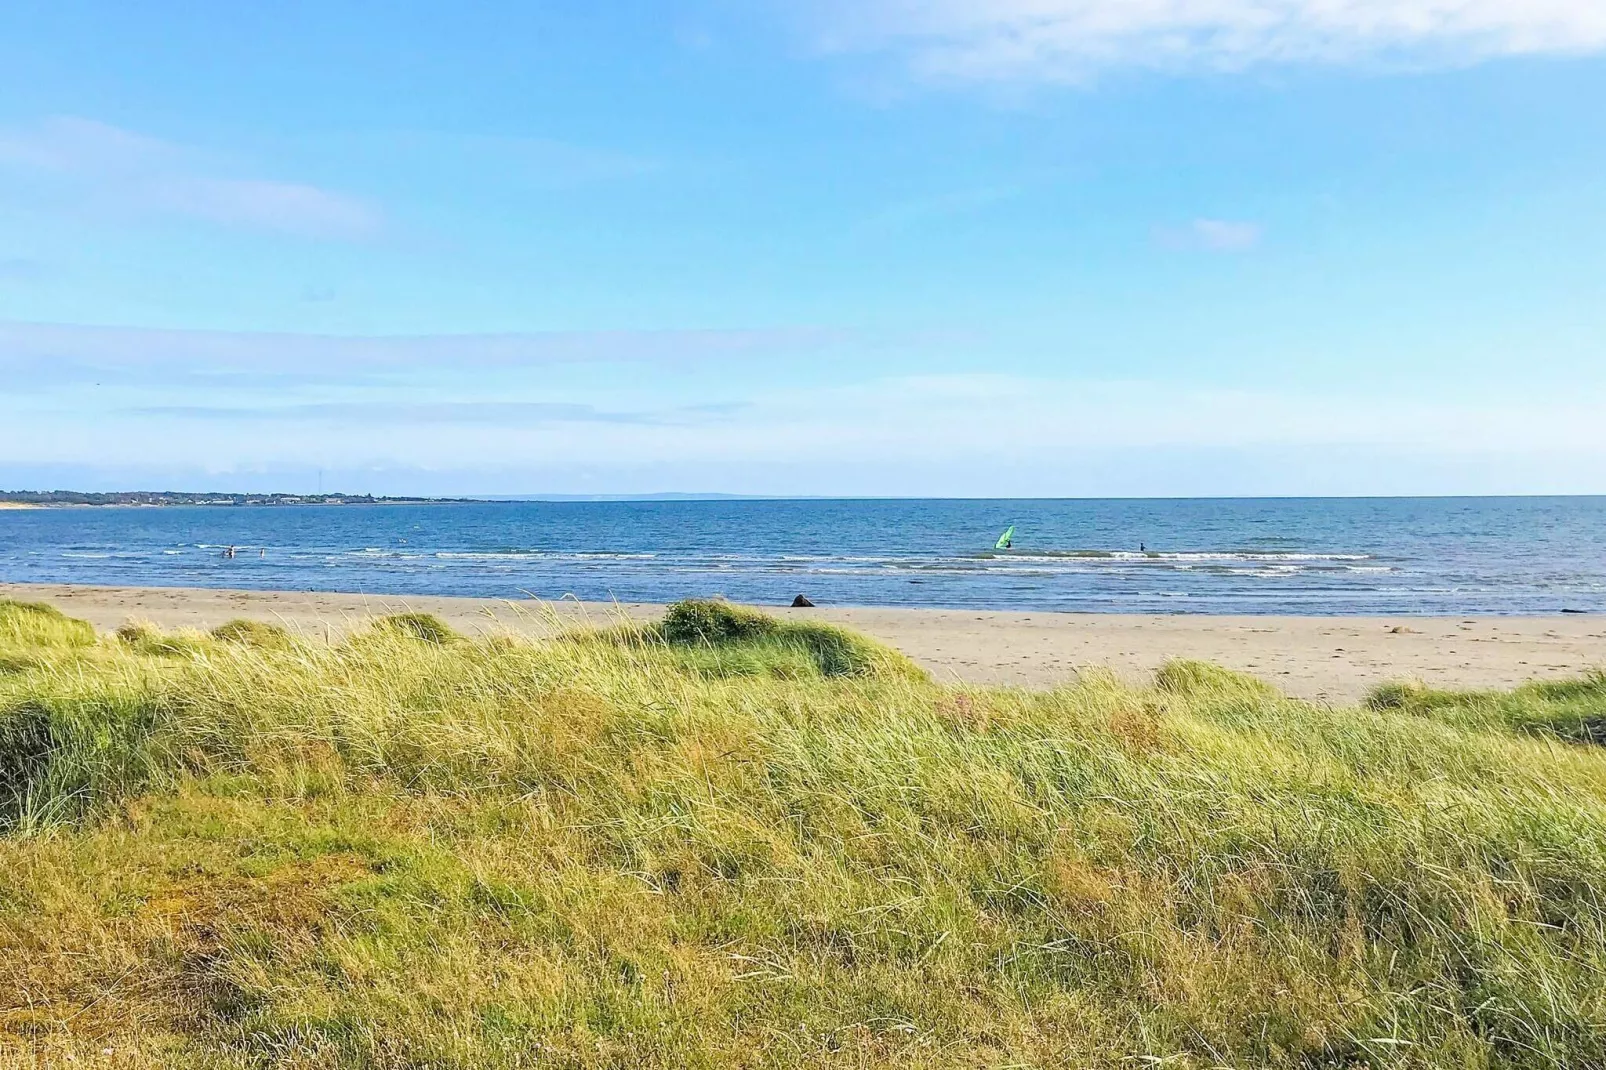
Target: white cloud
1008,41
107,166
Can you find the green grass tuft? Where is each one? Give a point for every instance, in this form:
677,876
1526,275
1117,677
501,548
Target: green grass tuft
33,624
692,623
717,639
147,638
424,627
1201,679
64,755
1573,711
254,633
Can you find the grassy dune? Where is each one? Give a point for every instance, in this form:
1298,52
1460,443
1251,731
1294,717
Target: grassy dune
729,841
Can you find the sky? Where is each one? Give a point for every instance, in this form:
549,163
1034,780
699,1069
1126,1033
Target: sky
805,247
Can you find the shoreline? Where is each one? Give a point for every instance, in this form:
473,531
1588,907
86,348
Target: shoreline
1331,659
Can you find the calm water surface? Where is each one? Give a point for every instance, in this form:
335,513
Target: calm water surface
1306,556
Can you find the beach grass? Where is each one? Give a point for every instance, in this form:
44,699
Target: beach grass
724,840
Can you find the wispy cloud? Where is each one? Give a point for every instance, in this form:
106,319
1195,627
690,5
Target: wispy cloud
35,349
936,434
1024,41
512,414
1211,235
38,376
285,206
108,167
1019,420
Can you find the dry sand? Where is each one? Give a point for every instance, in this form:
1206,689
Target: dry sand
1336,659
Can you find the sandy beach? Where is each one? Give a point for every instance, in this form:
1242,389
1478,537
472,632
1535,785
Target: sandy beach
1334,659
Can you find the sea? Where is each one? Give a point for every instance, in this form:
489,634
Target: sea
1383,556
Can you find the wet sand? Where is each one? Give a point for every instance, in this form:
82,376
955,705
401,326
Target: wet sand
1335,659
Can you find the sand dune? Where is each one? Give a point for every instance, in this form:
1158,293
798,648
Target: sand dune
1336,659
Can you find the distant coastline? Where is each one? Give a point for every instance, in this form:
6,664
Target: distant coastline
44,499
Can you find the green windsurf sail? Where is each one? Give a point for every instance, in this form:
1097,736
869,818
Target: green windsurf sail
1007,539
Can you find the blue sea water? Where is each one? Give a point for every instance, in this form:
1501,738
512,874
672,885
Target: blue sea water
1297,556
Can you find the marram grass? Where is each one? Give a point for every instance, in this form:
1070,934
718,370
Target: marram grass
720,843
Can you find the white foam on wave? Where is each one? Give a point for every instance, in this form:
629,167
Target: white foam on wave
1187,556
540,555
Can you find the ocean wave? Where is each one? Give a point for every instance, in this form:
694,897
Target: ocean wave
1167,556
542,555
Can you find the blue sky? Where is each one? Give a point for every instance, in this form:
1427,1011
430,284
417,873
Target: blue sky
925,247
